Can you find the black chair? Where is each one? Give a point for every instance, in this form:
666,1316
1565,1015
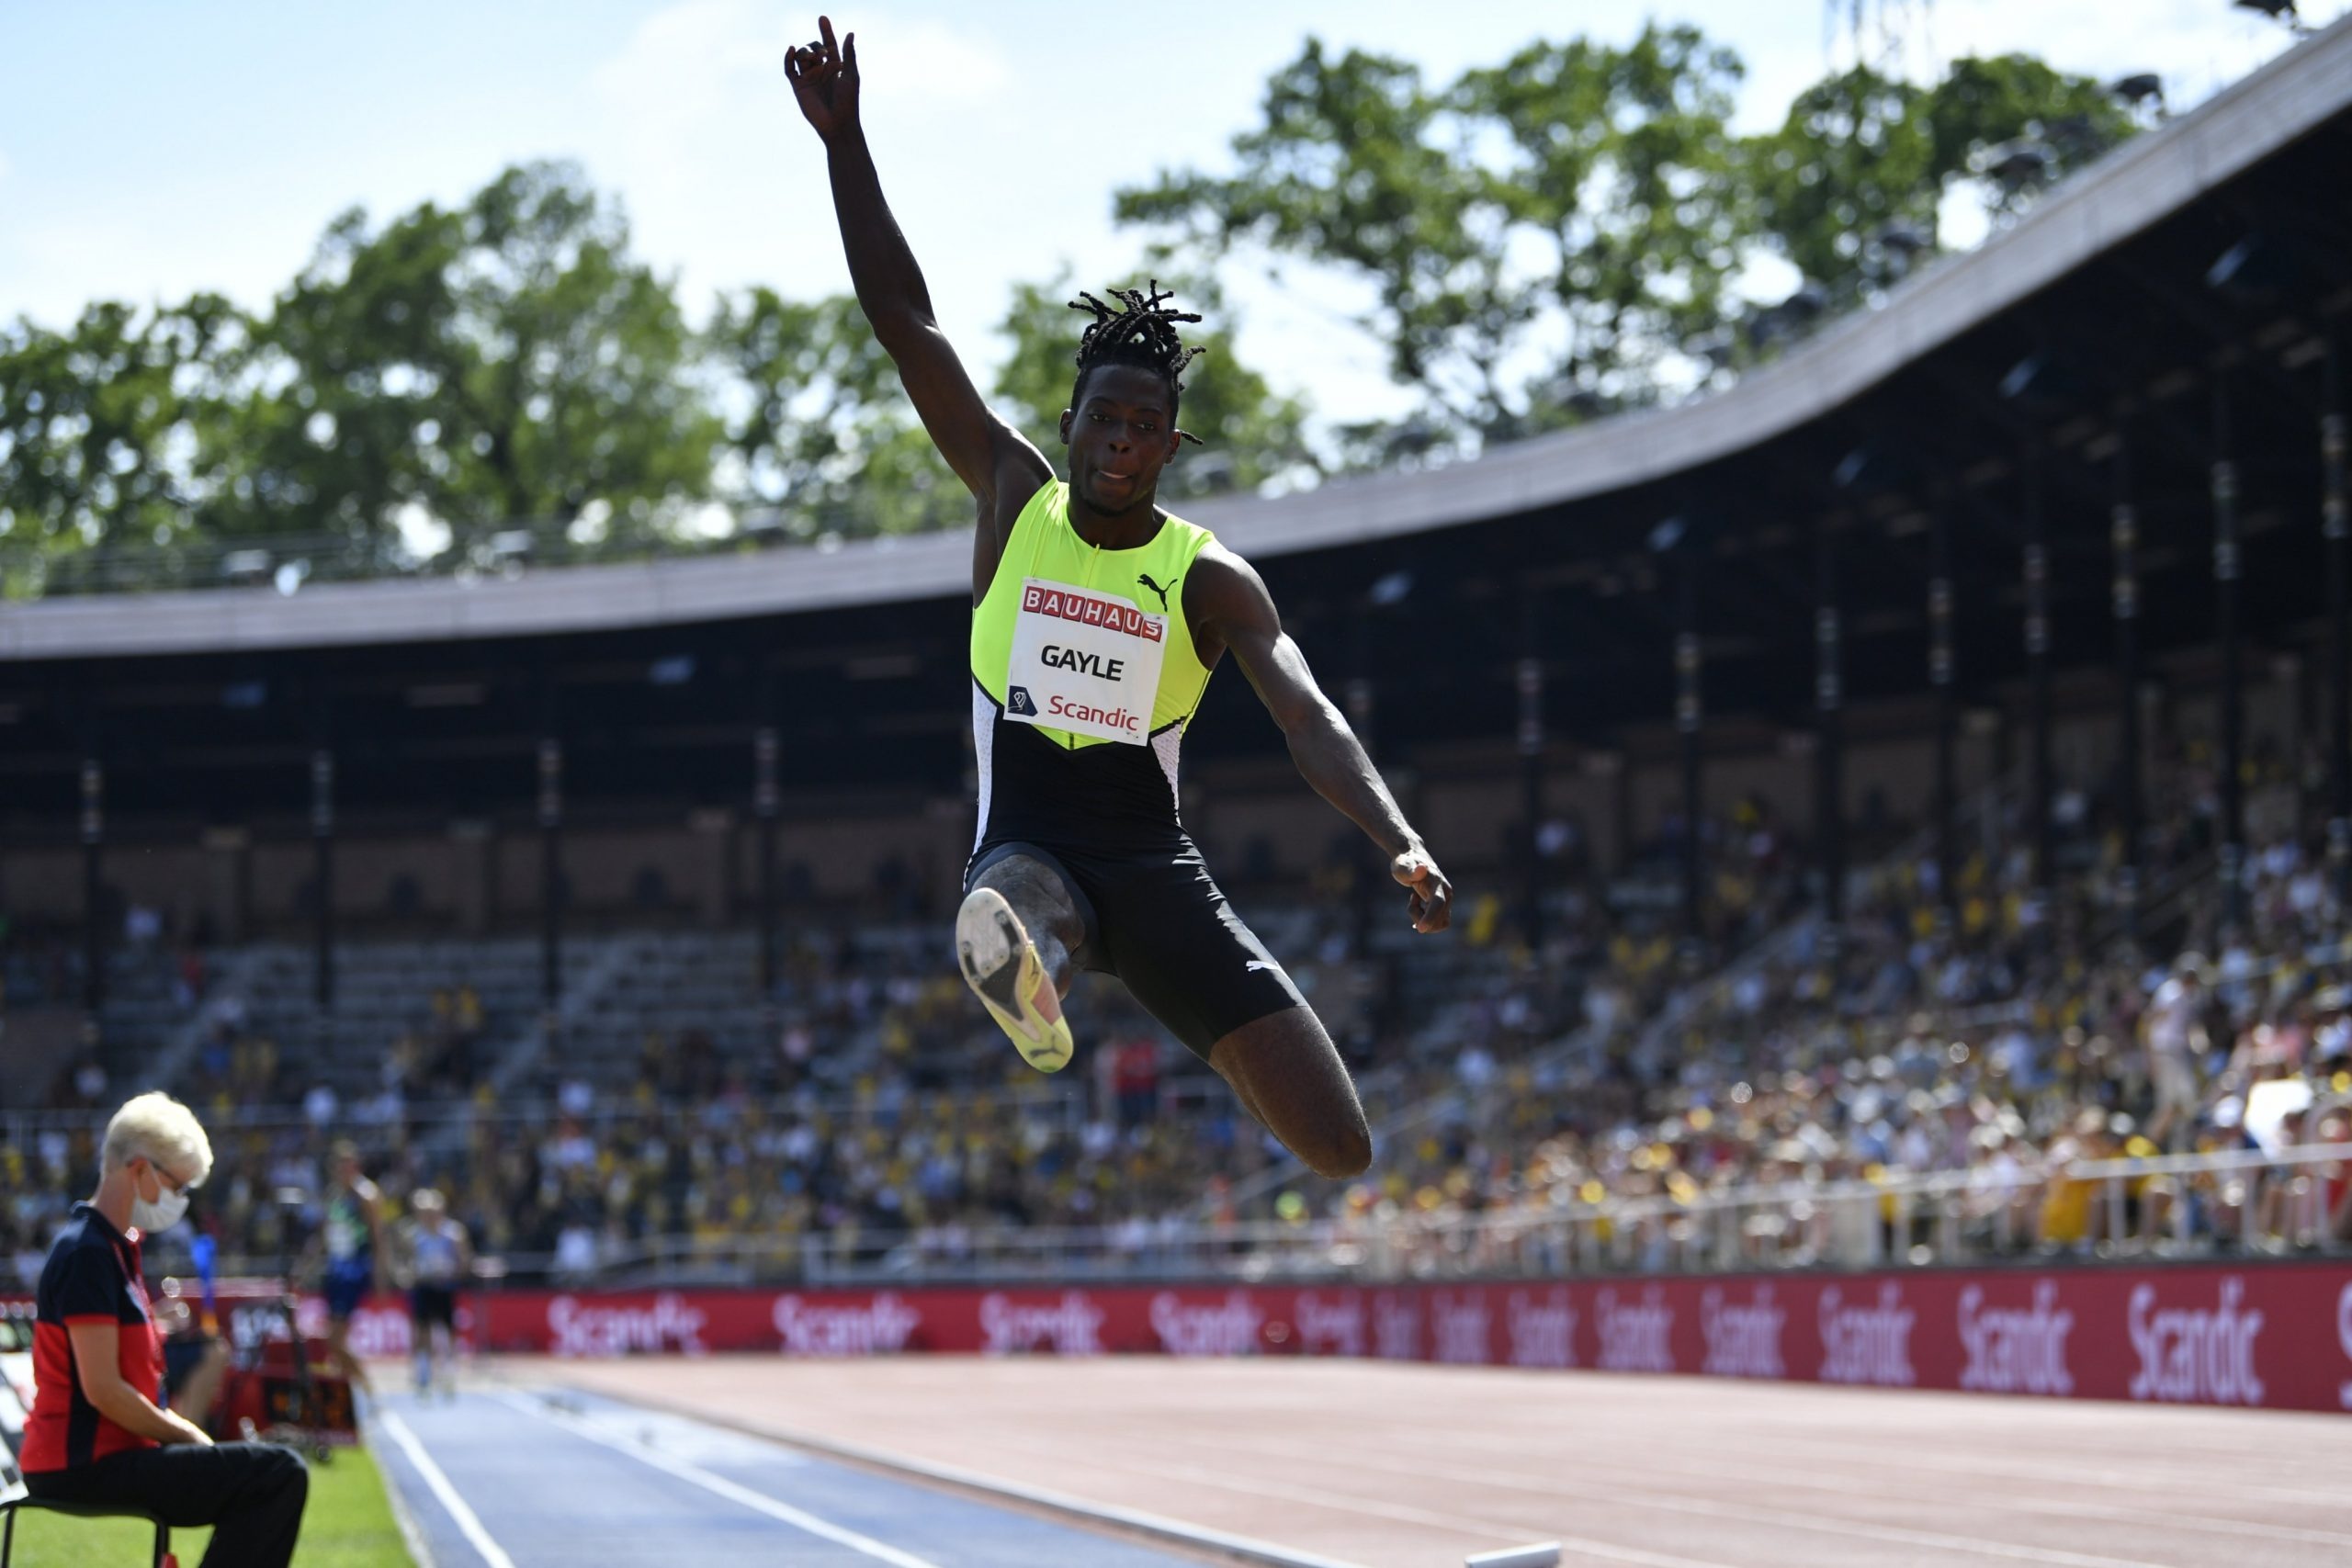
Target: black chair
12,1498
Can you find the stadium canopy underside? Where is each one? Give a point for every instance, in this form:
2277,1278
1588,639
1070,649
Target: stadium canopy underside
2102,350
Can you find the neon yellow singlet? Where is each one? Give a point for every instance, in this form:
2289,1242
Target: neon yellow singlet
1046,553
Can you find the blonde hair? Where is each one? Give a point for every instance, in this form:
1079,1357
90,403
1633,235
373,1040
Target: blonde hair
163,1130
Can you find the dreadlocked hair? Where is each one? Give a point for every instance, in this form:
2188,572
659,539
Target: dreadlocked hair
1140,331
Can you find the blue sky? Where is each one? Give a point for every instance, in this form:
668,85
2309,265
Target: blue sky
148,150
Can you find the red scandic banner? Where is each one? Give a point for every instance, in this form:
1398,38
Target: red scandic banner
2279,1336
2276,1336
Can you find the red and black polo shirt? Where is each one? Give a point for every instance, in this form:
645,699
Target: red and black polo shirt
92,1277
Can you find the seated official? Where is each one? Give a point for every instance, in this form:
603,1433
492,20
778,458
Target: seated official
96,1436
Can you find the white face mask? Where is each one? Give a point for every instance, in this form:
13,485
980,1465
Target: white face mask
159,1215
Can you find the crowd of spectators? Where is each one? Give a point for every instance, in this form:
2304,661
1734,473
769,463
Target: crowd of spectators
1987,1034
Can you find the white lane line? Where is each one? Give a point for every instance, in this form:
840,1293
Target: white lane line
468,1522
758,1502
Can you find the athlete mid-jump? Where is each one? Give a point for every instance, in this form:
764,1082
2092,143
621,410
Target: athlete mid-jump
1096,620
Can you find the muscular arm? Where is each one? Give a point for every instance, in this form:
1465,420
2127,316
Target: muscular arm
1227,605
999,466
96,1347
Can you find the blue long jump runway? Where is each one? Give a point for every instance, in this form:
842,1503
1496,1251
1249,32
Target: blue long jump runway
520,1479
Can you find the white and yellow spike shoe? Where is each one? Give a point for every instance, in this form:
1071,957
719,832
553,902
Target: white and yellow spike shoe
1000,964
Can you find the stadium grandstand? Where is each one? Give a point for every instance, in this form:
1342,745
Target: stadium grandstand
1857,780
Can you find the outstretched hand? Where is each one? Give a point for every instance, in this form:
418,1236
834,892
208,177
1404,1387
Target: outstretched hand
824,80
1429,901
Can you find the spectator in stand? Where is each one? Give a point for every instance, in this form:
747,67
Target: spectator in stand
2176,1038
95,1435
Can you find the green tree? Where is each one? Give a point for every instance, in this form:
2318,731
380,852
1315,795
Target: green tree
1539,235
1850,186
505,363
826,436
1250,435
96,423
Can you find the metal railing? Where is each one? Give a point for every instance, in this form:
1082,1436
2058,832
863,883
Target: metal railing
2178,1207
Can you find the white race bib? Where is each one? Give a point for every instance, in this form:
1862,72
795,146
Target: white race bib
1084,662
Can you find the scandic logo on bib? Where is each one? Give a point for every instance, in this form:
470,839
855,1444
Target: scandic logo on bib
1089,611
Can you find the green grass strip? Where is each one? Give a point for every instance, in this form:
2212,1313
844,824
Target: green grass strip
347,1525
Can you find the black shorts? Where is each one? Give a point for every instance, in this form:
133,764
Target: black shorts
429,1304
1161,925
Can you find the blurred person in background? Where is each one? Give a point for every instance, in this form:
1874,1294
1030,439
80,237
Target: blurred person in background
96,1436
436,1255
353,1240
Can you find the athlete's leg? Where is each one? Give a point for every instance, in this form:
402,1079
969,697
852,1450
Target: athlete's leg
1016,935
1288,1075
1042,901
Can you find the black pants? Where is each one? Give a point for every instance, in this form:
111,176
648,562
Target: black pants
251,1493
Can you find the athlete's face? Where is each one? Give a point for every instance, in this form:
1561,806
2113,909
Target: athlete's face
1121,435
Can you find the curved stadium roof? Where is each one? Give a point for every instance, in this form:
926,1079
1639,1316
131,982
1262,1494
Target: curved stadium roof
2142,184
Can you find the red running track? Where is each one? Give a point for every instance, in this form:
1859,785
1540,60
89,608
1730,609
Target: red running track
1394,1465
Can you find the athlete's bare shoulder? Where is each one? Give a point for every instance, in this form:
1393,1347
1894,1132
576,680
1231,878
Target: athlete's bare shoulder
1223,591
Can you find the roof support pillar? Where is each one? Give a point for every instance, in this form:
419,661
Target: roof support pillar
1944,678
2336,525
2040,787
2123,534
1829,703
1688,717
1530,766
2231,637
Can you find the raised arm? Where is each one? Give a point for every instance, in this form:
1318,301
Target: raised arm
995,462
1227,605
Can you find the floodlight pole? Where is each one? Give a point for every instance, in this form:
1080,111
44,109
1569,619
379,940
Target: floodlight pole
2335,525
1943,676
2226,566
2124,534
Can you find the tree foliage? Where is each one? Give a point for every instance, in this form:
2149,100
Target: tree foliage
826,438
1851,186
1541,241
1536,235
